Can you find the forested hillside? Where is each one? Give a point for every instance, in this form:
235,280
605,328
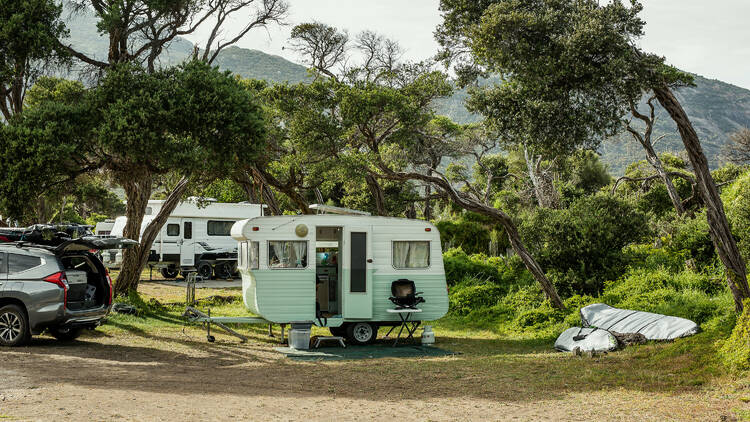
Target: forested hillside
715,107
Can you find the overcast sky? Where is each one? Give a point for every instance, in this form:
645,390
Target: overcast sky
708,38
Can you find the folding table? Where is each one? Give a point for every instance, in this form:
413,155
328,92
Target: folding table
406,322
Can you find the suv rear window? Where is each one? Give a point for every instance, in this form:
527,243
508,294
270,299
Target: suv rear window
18,263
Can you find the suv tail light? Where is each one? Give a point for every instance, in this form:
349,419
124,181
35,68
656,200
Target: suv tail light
111,287
61,280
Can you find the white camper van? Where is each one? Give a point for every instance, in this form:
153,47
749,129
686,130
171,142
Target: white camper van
194,238
338,271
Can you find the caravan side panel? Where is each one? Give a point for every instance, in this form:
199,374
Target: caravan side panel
431,281
285,295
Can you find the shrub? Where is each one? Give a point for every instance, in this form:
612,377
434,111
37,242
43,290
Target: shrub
583,244
473,294
736,199
690,236
735,351
539,318
648,256
458,266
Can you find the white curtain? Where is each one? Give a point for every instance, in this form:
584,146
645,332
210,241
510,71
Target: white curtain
419,255
300,253
400,254
287,254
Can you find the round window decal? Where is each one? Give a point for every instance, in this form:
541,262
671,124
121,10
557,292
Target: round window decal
301,230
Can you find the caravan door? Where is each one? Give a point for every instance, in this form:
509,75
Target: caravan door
187,244
358,278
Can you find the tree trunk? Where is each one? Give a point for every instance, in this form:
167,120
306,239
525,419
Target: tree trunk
137,192
673,195
377,193
725,244
544,188
651,156
140,259
289,190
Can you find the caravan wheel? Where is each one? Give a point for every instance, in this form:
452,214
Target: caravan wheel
169,272
361,332
205,270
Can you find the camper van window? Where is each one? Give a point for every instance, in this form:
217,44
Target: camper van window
173,229
411,254
287,254
188,230
219,228
254,255
242,256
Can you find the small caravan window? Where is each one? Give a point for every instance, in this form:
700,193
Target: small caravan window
188,230
219,228
254,255
173,229
287,254
242,256
411,254
248,256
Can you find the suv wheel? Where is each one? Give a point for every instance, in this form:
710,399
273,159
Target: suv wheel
361,332
14,326
65,333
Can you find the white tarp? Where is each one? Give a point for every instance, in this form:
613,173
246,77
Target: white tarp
652,326
586,339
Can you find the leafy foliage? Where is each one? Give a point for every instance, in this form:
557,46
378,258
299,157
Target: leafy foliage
735,351
582,244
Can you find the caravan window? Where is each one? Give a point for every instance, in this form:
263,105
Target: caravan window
411,254
242,256
248,255
173,229
254,255
219,228
287,254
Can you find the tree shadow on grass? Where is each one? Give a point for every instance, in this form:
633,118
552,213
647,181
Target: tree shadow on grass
491,369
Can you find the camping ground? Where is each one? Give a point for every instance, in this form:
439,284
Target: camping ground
154,367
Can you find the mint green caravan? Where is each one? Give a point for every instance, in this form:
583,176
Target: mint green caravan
336,270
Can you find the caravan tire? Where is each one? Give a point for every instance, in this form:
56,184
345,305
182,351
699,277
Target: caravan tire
223,271
170,272
204,270
361,332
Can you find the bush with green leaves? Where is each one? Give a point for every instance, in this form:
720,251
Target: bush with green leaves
472,294
582,245
736,199
690,237
735,351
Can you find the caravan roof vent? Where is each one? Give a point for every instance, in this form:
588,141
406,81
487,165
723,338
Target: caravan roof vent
328,209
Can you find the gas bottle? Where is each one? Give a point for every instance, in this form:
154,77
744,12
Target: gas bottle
428,336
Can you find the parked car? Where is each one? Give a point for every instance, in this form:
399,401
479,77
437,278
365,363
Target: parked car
61,288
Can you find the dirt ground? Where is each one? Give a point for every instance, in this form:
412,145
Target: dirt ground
122,372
